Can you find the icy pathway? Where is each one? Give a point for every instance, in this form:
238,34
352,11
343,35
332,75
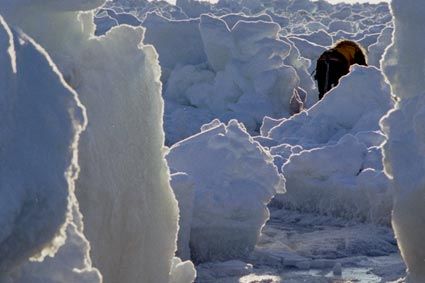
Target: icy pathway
298,247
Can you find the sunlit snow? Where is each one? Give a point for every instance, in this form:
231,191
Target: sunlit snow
180,142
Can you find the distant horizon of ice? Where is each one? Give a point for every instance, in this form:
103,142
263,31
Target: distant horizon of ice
330,1
357,1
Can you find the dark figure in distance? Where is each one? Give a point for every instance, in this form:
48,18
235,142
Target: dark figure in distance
335,63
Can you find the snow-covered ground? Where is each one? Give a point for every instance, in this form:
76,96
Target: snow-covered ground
300,247
136,131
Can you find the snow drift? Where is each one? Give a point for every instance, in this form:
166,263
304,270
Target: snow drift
234,179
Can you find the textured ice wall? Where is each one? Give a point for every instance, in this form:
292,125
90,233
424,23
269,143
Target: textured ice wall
42,119
234,179
404,155
125,195
130,212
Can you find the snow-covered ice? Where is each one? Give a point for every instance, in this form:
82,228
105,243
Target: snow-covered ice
339,169
71,263
184,189
404,149
245,77
123,185
178,42
301,247
42,122
248,64
234,179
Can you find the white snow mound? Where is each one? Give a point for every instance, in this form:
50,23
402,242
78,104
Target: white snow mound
234,180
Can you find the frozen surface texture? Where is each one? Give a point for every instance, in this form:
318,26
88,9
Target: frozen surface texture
246,59
333,162
249,60
42,121
71,263
234,179
404,126
178,42
181,272
254,65
245,77
184,189
130,212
